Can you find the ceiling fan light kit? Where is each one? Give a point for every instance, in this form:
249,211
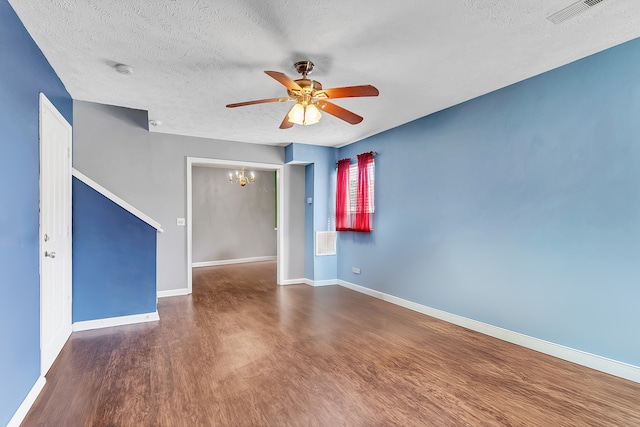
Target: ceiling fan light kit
310,98
304,114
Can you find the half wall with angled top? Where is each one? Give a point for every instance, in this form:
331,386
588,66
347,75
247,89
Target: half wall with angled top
114,259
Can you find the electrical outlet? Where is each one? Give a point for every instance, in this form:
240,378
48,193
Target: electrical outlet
180,221
355,270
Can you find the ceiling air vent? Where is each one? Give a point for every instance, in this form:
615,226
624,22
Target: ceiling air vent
573,10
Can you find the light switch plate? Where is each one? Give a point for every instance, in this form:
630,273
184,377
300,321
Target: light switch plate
180,221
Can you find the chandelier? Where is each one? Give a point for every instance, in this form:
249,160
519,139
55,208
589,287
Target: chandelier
241,179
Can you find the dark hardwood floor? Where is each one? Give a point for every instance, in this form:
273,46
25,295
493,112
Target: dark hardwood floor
242,351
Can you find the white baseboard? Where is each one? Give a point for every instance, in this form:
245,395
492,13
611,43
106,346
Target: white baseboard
26,404
294,282
115,321
233,261
593,361
310,282
323,282
173,293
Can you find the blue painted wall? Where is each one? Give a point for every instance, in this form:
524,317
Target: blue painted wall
320,185
520,208
24,73
309,257
114,258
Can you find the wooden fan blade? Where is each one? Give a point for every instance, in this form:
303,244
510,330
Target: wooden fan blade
259,101
350,91
284,80
286,124
339,112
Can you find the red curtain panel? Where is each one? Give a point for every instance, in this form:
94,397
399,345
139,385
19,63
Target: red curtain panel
362,221
342,195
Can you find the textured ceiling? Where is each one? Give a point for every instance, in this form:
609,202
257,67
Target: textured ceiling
192,57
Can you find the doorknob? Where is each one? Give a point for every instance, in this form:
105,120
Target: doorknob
50,254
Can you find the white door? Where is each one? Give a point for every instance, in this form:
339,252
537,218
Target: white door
55,233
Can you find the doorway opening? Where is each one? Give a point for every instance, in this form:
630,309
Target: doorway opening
280,232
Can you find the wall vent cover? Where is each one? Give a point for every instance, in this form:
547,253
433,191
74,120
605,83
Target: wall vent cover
325,243
573,10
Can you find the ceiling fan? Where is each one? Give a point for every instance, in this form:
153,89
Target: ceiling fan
310,98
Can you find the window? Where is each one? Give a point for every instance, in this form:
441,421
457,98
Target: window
355,194
353,185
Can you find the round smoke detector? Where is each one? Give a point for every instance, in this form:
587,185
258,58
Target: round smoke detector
124,69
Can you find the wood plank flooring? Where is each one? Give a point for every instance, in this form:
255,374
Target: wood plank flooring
242,351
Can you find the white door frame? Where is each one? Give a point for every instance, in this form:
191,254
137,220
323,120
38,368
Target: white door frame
46,107
280,246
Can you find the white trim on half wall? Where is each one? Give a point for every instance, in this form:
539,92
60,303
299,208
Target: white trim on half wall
117,200
593,361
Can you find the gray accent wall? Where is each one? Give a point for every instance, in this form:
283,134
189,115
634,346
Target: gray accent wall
113,147
229,221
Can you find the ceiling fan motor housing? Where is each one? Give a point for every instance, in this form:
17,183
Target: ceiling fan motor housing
304,68
308,86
